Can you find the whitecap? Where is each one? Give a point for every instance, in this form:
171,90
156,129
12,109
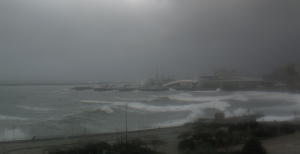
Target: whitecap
191,98
35,108
3,117
106,109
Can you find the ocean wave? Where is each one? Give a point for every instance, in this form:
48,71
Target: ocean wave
236,112
35,108
161,99
105,109
205,91
191,98
171,122
184,94
219,105
95,101
132,99
3,117
193,116
272,96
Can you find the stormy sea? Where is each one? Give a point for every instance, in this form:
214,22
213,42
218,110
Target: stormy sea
55,110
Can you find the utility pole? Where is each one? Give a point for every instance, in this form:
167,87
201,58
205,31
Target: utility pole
156,78
142,123
126,126
162,75
248,125
295,120
84,128
4,133
14,132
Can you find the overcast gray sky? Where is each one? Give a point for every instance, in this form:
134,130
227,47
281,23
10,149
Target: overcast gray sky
108,40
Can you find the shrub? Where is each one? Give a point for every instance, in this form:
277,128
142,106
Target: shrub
287,128
187,144
253,146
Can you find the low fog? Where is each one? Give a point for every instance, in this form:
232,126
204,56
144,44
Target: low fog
124,40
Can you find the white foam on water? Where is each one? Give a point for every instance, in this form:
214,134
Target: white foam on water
206,91
190,98
95,101
184,95
3,117
136,91
272,96
36,108
236,112
219,105
195,114
133,99
171,123
106,109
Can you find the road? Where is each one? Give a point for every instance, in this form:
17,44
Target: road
40,146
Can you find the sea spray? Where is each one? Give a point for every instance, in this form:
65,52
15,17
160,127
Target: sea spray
13,134
106,109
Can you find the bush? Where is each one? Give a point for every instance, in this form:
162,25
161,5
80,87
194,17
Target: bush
253,146
287,128
237,152
187,144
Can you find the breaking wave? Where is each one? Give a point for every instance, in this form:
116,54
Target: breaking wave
93,101
272,96
214,104
35,108
191,98
236,112
105,109
171,123
219,105
161,99
3,117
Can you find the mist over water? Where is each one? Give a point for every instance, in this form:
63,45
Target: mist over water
54,110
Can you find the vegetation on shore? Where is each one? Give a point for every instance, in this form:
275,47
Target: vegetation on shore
218,139
133,147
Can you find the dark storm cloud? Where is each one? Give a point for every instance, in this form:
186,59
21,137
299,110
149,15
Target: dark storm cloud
126,39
